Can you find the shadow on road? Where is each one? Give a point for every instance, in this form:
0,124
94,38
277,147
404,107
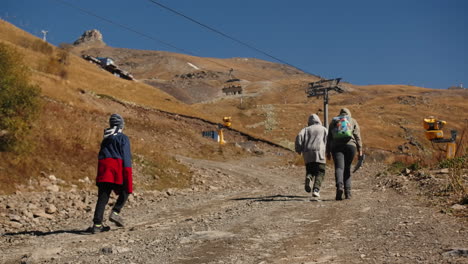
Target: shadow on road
40,233
276,198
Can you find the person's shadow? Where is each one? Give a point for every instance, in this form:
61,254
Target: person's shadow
276,198
41,233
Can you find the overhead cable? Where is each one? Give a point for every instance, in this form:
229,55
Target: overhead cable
152,38
225,35
123,26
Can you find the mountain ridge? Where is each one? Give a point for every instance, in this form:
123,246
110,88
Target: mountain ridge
273,107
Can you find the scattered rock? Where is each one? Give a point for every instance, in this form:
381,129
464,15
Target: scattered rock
15,218
106,250
53,188
43,214
85,180
458,207
28,214
442,171
120,249
51,209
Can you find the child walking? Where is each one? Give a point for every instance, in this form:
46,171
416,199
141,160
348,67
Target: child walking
114,173
311,142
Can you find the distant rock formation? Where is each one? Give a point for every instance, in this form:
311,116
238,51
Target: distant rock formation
90,38
460,87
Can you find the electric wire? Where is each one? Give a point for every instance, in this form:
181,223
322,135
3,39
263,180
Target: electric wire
123,26
226,35
158,40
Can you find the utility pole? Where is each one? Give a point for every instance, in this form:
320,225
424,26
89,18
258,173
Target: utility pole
44,35
322,87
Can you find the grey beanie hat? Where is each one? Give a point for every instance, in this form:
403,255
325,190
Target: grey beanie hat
116,120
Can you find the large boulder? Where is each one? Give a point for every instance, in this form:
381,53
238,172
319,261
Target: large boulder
90,38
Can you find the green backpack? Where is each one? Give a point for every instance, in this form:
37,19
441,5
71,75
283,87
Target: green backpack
342,130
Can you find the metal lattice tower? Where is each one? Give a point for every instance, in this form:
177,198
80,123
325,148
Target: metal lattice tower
321,88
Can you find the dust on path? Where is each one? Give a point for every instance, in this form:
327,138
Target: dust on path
262,215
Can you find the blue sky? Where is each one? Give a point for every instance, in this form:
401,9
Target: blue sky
416,42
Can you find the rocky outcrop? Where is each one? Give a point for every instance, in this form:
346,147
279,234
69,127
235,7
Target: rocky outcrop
90,38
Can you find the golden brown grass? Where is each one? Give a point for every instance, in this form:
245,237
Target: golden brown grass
68,131
390,116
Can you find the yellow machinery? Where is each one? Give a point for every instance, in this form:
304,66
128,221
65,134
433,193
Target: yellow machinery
435,134
226,123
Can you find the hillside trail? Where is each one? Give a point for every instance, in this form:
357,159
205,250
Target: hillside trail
253,211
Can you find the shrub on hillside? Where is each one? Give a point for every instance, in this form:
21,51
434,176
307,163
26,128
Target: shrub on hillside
37,45
56,65
457,176
63,55
41,46
53,66
19,100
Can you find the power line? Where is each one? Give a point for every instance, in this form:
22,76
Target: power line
226,35
122,26
155,39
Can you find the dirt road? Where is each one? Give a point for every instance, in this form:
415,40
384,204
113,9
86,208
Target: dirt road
251,211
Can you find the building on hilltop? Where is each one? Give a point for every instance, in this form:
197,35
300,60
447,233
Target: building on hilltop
460,87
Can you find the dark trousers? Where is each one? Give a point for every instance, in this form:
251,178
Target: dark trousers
315,171
343,157
104,192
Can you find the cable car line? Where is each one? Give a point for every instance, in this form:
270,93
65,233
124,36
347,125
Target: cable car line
226,35
123,26
158,40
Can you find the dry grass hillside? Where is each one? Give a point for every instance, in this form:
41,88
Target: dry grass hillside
274,104
390,116
188,78
78,96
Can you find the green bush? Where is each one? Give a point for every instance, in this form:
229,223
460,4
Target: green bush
458,162
396,167
19,100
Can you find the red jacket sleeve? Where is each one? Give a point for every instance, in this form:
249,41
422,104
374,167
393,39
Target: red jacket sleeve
128,179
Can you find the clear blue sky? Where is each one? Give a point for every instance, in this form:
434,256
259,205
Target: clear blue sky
417,42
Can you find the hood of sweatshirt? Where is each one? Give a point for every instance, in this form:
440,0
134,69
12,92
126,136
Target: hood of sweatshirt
314,119
345,111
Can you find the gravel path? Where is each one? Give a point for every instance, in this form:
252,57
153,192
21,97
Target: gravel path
246,211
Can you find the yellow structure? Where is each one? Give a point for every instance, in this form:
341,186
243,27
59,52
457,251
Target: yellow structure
435,134
434,128
226,123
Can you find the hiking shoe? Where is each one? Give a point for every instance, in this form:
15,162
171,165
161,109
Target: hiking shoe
98,228
316,193
339,194
307,185
347,194
116,219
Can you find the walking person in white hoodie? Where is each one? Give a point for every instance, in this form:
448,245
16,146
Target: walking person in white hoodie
311,143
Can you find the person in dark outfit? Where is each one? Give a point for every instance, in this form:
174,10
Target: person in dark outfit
343,152
311,142
114,173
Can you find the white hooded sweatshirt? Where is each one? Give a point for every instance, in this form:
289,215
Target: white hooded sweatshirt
312,140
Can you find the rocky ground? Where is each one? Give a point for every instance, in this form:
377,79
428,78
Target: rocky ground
244,211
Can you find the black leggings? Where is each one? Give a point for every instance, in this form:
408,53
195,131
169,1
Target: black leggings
343,157
104,191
